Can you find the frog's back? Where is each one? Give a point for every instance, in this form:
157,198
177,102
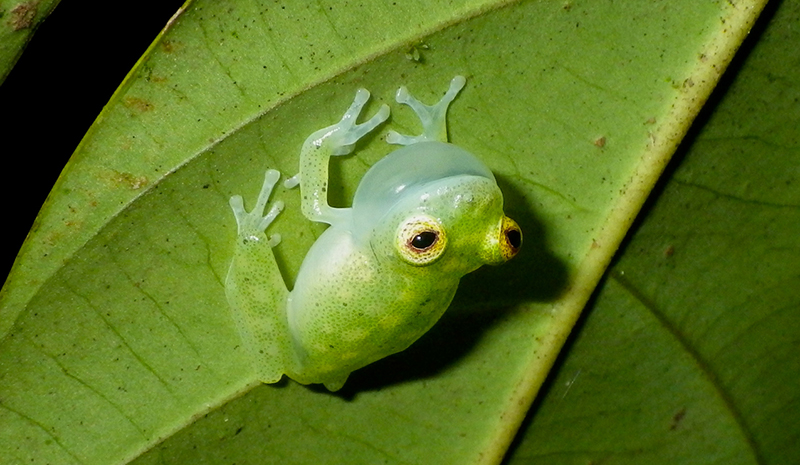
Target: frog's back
395,176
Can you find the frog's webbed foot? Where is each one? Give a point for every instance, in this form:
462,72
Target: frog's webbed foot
341,137
433,117
254,223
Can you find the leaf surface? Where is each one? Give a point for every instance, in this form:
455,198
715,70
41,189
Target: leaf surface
688,353
117,333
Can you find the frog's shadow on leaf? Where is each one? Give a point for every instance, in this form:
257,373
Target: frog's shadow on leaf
484,296
535,275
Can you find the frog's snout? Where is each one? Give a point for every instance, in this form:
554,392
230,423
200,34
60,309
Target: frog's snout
510,238
503,242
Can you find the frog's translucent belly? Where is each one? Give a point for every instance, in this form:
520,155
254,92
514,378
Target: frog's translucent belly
345,318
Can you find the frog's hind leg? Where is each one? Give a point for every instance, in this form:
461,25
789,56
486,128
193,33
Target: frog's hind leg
336,384
433,117
255,288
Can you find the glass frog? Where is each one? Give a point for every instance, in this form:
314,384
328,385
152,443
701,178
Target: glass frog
386,269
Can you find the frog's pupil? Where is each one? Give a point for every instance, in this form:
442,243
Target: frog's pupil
424,240
514,238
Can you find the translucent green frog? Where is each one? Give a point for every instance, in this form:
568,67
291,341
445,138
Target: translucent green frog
386,269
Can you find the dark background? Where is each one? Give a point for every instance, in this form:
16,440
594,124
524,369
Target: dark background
71,67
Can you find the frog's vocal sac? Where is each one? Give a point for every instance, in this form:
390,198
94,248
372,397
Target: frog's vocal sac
386,269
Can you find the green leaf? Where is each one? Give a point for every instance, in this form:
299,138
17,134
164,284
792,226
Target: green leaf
18,21
688,353
117,339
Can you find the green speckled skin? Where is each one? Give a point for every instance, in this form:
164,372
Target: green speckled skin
386,269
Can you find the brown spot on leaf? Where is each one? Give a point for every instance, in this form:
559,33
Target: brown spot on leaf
138,104
22,15
128,180
676,419
171,46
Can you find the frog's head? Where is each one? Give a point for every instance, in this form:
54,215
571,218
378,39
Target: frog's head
458,220
433,204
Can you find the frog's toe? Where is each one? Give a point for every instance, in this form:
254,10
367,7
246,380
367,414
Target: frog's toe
358,131
433,117
273,213
395,138
349,131
254,222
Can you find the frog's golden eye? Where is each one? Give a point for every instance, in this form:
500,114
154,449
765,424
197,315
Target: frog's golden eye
420,240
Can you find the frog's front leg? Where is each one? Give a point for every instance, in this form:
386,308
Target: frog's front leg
433,117
255,288
338,139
